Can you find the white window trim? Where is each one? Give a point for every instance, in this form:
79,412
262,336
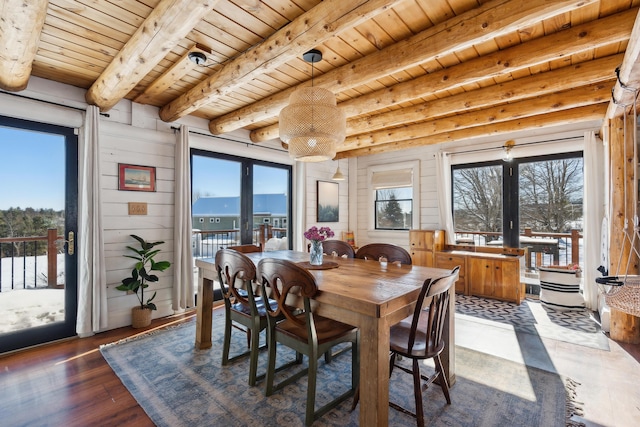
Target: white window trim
414,165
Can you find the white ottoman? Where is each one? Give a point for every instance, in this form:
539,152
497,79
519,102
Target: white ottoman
560,289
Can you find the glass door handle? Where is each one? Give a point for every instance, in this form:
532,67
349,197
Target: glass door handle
71,243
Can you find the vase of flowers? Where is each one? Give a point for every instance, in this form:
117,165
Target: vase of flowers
316,236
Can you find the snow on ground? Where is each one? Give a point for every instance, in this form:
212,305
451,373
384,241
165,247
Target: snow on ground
36,305
26,308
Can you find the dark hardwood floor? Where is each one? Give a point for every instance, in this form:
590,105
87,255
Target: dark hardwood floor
69,383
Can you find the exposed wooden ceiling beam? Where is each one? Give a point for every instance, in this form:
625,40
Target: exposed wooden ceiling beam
305,32
577,97
562,44
559,80
20,26
485,22
626,89
167,25
578,115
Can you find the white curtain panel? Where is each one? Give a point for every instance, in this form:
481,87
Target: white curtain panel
92,281
183,267
443,185
593,214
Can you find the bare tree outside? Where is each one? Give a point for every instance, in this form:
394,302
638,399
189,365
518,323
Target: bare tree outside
551,194
29,222
477,199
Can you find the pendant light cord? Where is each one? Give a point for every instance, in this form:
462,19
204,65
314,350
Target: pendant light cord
312,98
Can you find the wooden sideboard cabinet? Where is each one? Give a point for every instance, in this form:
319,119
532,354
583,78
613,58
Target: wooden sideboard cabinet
449,260
484,272
423,244
495,276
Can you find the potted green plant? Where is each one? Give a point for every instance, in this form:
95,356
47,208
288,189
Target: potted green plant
140,277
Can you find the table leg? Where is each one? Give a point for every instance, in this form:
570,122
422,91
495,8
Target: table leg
448,355
374,372
204,314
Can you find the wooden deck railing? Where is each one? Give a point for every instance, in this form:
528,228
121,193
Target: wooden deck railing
29,245
205,243
542,245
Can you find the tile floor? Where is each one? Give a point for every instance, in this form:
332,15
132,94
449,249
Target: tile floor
609,379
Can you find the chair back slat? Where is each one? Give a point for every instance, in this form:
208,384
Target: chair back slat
283,280
435,292
235,272
379,251
339,247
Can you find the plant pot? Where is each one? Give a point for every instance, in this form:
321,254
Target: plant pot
140,317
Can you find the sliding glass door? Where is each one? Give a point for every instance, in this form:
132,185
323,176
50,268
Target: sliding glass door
237,200
532,202
38,216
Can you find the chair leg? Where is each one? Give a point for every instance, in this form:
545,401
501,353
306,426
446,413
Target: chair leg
417,391
355,364
311,390
227,341
392,363
253,360
356,398
444,382
271,365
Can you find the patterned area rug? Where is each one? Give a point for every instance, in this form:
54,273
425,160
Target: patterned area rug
576,327
178,385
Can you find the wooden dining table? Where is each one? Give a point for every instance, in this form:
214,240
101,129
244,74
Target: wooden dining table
364,293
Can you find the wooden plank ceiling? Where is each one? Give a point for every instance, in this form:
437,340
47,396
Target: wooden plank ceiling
407,72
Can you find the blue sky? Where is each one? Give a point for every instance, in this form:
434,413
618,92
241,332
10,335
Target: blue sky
31,170
221,178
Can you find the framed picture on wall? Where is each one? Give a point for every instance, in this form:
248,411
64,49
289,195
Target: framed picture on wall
136,178
328,202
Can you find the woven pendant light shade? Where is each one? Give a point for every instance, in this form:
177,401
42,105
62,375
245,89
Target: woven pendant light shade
312,125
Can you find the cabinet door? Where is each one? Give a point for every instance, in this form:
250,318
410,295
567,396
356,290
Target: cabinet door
418,239
429,237
480,276
422,258
507,280
448,261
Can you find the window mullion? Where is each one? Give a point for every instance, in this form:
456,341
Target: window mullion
510,205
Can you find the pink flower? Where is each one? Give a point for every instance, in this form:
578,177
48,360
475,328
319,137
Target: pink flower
318,234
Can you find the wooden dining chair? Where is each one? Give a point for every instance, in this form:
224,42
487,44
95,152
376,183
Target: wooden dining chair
419,337
343,250
339,248
380,251
237,274
301,330
246,249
